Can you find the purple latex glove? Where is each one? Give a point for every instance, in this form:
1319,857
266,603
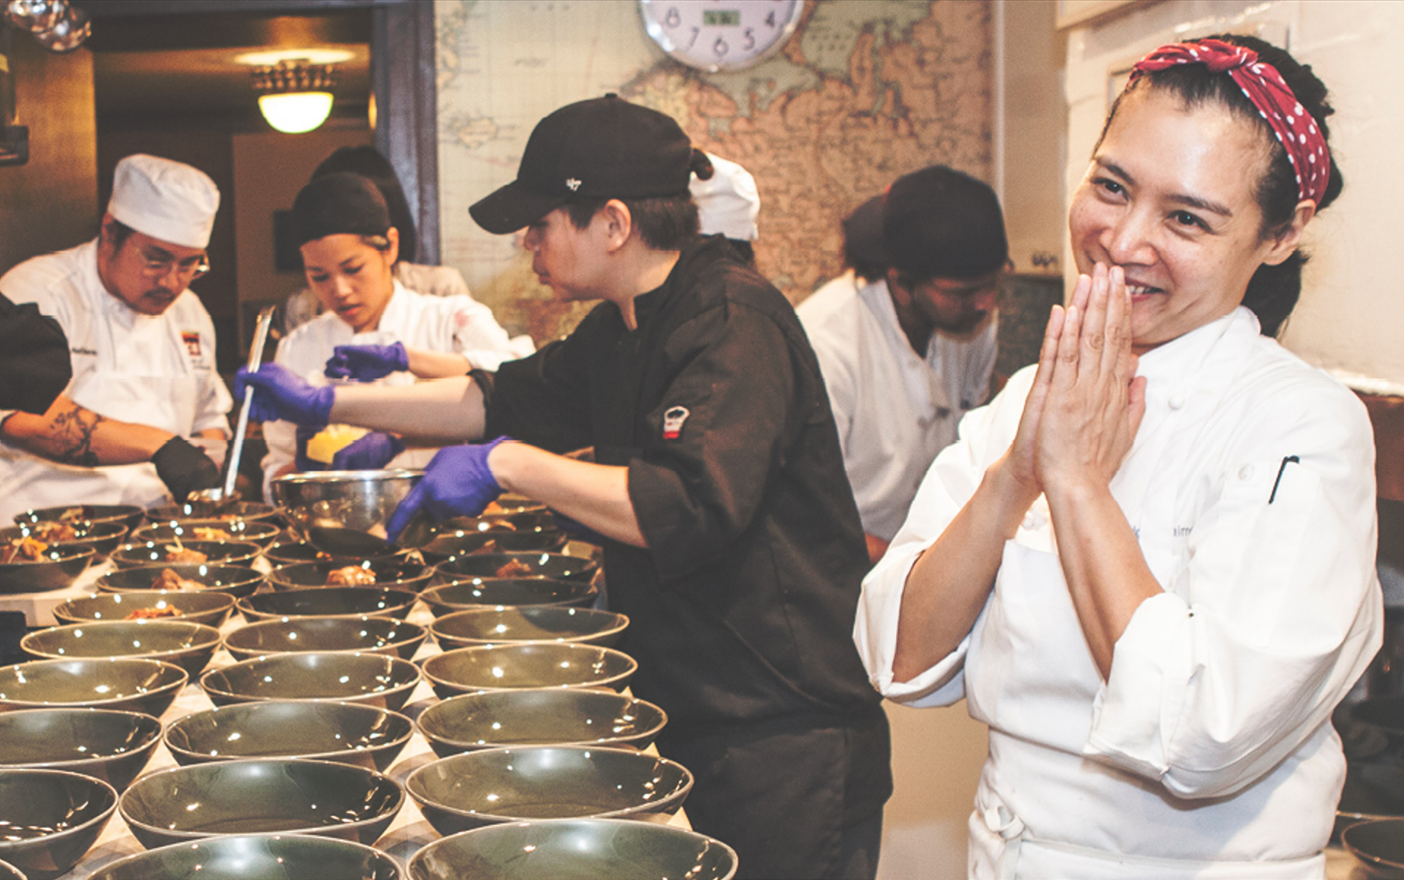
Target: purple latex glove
576,529
366,363
369,453
280,394
457,482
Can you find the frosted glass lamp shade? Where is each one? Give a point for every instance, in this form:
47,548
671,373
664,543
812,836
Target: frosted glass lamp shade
296,112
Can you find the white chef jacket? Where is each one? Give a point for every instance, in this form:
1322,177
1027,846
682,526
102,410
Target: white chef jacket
156,370
1209,751
894,409
458,324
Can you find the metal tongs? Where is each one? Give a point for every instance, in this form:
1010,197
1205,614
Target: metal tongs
211,502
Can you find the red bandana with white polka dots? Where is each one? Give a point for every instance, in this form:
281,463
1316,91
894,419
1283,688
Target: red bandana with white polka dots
1264,86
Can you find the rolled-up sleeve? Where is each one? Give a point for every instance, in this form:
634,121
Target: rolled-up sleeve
984,434
1260,635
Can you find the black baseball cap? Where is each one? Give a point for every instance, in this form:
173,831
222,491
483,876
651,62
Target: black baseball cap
601,148
941,223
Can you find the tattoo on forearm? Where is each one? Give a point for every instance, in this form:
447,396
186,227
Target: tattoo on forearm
73,436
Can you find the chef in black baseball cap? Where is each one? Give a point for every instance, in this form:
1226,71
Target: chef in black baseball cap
731,539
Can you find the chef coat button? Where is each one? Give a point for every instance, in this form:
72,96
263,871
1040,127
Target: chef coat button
1245,472
1176,401
1029,522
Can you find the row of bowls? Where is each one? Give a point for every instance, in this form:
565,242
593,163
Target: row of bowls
54,816
113,531
577,848
493,665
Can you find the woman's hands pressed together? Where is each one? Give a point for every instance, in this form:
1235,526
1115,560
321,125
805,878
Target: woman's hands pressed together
1085,410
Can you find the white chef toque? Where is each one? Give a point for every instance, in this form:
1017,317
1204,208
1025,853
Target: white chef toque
166,200
727,203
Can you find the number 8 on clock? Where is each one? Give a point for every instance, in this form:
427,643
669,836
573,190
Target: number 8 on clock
719,35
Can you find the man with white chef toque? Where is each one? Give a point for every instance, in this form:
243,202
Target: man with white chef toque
144,417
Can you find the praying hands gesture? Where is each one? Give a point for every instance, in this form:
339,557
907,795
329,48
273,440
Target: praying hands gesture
1079,422
1086,404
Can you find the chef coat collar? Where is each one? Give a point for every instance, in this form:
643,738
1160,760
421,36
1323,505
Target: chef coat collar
704,249
1171,369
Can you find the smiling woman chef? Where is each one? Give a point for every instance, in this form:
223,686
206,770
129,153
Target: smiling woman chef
1148,564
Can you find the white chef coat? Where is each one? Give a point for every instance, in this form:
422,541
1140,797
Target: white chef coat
894,409
156,370
1209,752
457,324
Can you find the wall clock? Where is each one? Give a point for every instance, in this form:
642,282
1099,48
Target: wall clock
717,35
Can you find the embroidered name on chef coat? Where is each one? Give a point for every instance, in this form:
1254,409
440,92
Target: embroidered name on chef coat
673,419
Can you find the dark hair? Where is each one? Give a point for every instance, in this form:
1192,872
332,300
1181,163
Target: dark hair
867,270
1273,290
666,223
118,233
367,162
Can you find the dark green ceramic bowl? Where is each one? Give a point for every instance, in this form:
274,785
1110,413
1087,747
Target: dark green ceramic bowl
218,553
128,515
56,569
547,782
236,580
102,743
188,645
377,635
103,537
520,522
372,679
293,552
581,849
505,667
210,608
1379,843
344,732
51,818
261,533
400,574
127,683
260,797
10,872
328,602
530,625
249,511
464,594
539,716
538,565
458,542
256,857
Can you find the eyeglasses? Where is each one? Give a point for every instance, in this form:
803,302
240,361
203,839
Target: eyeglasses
160,266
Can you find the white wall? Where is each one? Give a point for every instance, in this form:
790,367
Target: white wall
1351,315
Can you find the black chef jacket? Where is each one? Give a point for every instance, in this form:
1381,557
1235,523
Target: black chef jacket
742,605
34,362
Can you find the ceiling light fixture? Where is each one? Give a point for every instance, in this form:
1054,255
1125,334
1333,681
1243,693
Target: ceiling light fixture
60,26
295,96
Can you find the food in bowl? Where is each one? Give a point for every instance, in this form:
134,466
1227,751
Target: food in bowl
26,549
154,613
350,576
169,580
177,553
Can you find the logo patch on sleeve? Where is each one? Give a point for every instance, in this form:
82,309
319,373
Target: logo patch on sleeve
192,342
673,420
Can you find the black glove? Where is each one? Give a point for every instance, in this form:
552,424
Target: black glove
184,468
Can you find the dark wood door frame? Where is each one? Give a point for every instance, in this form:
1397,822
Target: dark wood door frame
402,64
